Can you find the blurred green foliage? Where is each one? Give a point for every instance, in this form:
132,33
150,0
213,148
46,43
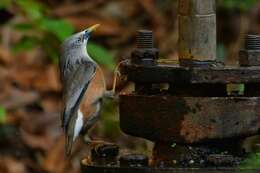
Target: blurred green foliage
2,114
252,162
41,30
240,4
101,55
110,119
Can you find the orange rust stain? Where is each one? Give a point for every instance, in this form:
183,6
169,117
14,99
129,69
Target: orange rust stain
193,131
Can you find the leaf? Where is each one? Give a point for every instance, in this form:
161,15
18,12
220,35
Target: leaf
2,114
101,55
25,44
60,28
5,4
252,162
51,44
241,4
32,8
23,26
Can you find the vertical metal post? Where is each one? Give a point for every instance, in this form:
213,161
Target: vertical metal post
197,30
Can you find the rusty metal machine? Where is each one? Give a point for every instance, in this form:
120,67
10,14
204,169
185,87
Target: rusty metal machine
197,123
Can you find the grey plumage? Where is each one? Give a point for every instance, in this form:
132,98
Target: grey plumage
76,73
77,70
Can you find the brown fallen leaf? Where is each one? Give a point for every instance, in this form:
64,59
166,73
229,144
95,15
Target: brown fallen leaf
42,142
23,76
11,165
51,103
48,80
5,56
109,27
75,8
16,98
55,159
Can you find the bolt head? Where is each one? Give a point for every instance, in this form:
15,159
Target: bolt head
134,160
105,151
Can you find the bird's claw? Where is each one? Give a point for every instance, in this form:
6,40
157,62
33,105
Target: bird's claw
118,73
109,94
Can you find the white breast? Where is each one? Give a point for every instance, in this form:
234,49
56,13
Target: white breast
78,125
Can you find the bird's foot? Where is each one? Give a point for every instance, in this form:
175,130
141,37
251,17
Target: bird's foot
87,139
118,73
110,94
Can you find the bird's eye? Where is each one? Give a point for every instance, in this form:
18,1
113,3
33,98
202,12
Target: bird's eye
78,40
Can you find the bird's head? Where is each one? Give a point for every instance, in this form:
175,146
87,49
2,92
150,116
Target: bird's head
88,31
80,38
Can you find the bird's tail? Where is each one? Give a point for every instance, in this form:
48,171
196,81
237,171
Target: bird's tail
68,145
69,134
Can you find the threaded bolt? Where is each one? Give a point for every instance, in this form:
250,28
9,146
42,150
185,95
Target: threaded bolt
134,160
252,42
144,39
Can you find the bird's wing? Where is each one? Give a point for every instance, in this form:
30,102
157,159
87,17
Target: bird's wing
76,75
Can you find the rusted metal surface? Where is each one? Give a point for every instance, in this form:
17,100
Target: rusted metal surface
224,154
220,159
196,75
111,169
189,119
104,154
249,57
134,160
197,30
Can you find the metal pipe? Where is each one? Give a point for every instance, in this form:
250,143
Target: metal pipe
197,30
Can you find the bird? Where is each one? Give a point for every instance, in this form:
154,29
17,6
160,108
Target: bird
83,87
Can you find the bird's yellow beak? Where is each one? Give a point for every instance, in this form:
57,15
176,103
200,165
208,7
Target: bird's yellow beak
93,28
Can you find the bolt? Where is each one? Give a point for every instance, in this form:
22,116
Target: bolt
144,39
134,160
252,42
105,154
145,53
105,151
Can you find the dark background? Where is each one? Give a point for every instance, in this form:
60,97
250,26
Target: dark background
31,31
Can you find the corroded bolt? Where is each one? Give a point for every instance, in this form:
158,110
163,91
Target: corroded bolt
145,53
105,154
134,160
144,39
250,56
252,42
105,151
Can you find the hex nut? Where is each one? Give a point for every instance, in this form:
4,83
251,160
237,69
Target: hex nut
134,160
105,151
249,57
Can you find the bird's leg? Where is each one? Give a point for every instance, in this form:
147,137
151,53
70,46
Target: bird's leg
87,139
112,93
92,143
